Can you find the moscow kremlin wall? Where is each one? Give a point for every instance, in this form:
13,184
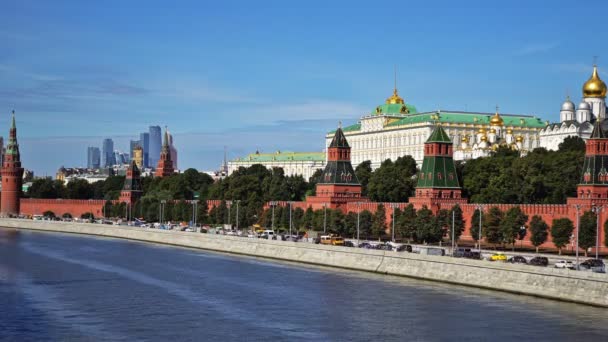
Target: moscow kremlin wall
438,186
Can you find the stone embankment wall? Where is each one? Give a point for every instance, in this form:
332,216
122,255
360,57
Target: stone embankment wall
566,285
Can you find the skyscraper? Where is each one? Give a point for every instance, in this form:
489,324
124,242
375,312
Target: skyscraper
172,150
154,144
108,152
132,145
144,143
93,156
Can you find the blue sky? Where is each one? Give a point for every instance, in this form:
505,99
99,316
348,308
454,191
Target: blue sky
275,74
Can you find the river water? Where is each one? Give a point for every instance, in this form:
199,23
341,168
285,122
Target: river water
78,288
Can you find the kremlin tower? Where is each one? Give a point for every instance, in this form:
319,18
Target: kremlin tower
338,184
165,164
132,189
594,183
12,175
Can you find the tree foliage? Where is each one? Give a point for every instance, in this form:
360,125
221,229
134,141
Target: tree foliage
561,231
393,181
588,228
539,231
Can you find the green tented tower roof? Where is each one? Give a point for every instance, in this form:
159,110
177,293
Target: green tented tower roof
438,171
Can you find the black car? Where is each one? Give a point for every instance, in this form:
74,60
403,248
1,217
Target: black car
366,245
349,244
539,261
384,247
595,265
518,259
404,248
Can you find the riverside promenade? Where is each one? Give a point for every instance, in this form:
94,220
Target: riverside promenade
560,284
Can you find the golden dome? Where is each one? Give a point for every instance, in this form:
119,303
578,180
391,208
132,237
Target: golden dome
465,139
509,131
496,120
492,130
519,138
482,130
594,87
395,98
484,138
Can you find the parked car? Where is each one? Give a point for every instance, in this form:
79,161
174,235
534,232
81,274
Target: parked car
472,255
384,247
565,264
539,261
517,259
498,257
366,245
404,248
594,265
349,244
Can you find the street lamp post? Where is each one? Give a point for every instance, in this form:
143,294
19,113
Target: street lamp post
237,214
358,216
229,205
290,203
162,210
598,211
324,218
194,211
273,204
394,206
453,234
480,208
578,208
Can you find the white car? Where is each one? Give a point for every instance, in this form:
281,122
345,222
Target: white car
565,264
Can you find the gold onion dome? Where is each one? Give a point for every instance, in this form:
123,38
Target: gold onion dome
484,138
509,131
492,130
594,87
395,98
496,120
465,139
482,131
519,138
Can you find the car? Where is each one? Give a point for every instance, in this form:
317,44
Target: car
594,265
404,248
539,261
349,244
565,264
517,259
498,257
384,247
366,245
472,255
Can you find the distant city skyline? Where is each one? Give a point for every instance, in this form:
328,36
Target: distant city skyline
281,77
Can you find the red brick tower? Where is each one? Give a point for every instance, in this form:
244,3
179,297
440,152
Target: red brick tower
132,190
12,175
594,183
339,184
165,164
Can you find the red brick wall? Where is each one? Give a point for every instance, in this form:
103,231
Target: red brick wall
34,206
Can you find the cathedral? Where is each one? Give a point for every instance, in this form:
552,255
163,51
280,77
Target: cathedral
577,121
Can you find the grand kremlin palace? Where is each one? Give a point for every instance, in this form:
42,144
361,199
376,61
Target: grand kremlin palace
395,128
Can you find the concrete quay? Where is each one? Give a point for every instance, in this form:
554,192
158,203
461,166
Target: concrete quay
559,284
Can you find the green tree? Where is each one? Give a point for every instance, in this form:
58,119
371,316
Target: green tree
350,224
405,223
308,218
572,143
393,182
561,231
66,216
365,224
379,222
588,229
79,189
336,222
475,223
363,172
46,188
511,225
539,231
428,229
491,229
87,216
49,214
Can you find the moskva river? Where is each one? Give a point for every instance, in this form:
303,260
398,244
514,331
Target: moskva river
56,287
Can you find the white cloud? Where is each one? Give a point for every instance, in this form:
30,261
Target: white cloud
534,49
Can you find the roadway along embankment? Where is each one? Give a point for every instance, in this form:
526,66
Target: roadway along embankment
566,285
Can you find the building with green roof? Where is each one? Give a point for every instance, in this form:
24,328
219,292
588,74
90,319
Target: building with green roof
304,164
396,128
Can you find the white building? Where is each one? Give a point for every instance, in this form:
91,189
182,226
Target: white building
396,129
577,121
304,164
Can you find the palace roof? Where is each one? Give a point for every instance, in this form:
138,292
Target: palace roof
282,156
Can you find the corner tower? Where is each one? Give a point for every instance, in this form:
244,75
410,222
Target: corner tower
338,184
12,175
165,164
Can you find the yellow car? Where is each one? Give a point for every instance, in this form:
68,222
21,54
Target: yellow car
498,257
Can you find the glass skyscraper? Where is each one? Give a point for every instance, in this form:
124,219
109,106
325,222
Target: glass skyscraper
108,153
144,141
93,156
155,145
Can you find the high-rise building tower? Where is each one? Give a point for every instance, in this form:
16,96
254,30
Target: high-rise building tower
165,165
93,156
12,175
144,142
155,145
138,156
173,151
108,153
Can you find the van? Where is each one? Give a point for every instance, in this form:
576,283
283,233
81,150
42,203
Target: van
432,251
332,240
268,234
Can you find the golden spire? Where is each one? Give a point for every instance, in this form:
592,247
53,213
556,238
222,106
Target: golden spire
594,87
395,98
496,119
